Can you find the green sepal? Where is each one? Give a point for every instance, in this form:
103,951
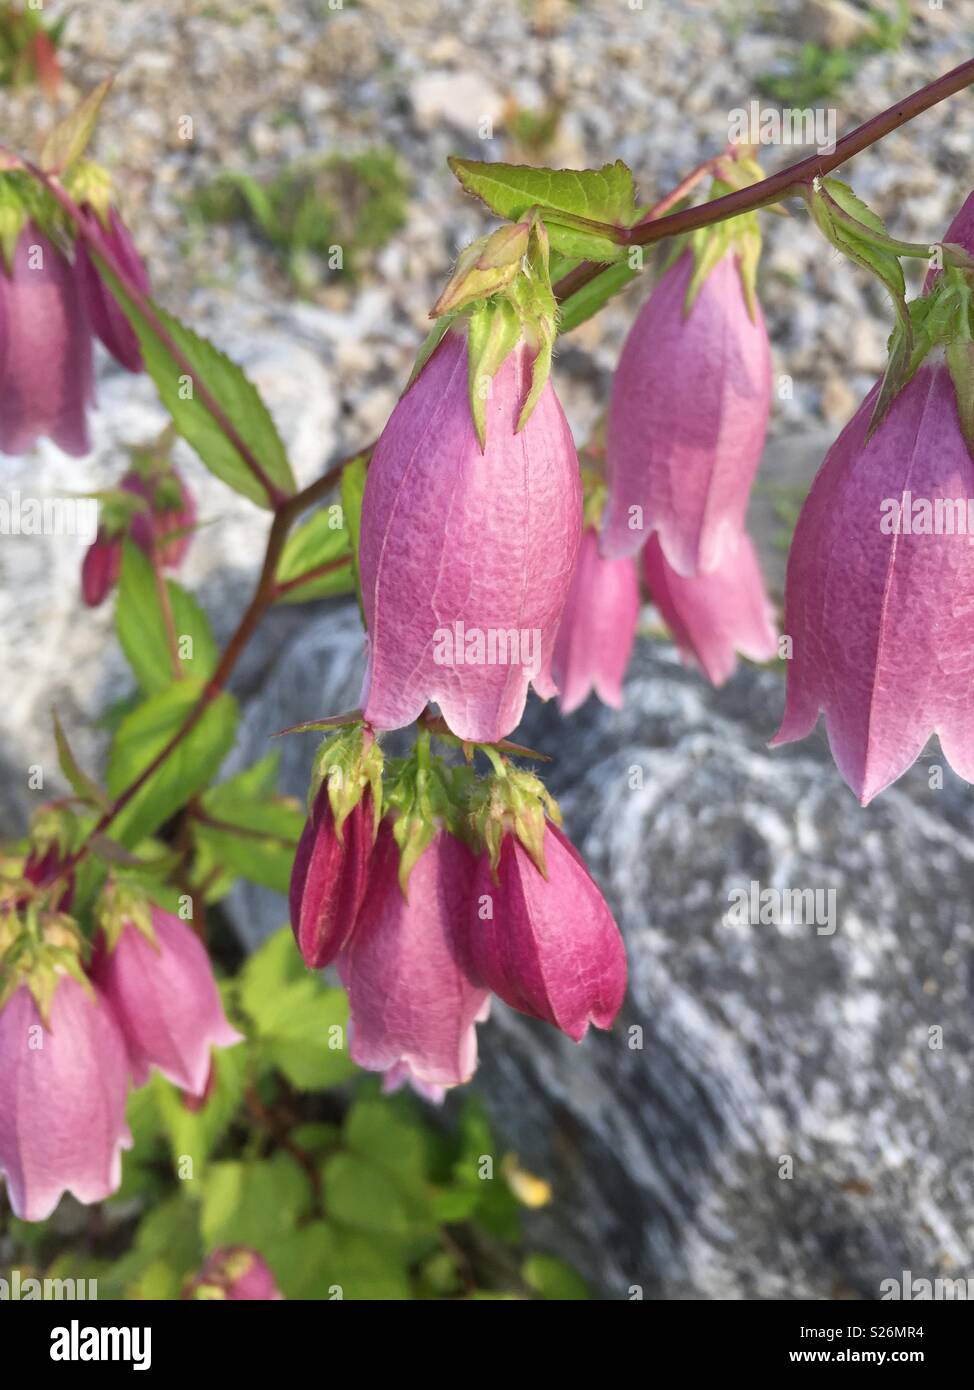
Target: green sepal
493,332
89,183
486,267
13,215
959,356
425,795
348,762
122,905
742,235
512,801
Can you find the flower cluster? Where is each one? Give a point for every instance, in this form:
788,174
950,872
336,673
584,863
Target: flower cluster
79,1024
432,888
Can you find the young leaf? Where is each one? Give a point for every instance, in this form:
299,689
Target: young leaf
141,630
352,492
81,784
143,735
182,378
322,540
510,190
69,139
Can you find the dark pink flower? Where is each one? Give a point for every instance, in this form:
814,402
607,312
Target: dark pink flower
411,1001
687,420
165,999
63,1088
714,616
880,591
597,628
107,319
46,381
547,946
166,524
467,556
329,878
236,1273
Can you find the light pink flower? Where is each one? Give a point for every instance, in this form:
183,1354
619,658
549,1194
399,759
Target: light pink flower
235,1273
714,616
62,1100
46,381
166,1001
467,557
547,946
687,420
597,628
880,602
412,1004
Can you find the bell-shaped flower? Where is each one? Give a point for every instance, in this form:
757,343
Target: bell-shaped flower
164,524
714,616
546,943
63,1086
597,628
687,419
879,599
46,379
107,319
329,878
467,555
411,1001
161,987
234,1273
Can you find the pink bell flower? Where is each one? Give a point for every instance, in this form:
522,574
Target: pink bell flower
547,946
880,591
63,1086
687,420
46,379
714,616
329,878
597,628
107,319
412,1004
165,999
166,525
467,556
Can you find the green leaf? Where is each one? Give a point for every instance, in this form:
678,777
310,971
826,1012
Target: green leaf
69,139
81,784
323,539
145,733
565,197
352,492
256,839
587,301
181,386
252,1203
553,1278
363,1196
322,1262
194,1134
141,629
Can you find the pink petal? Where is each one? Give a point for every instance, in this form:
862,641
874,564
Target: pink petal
597,628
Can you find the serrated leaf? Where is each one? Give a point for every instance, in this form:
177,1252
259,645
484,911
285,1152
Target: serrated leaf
510,190
322,540
352,493
81,784
180,386
143,735
251,1203
69,139
141,629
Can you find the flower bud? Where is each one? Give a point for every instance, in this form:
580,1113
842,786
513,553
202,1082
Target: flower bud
329,878
687,419
157,977
880,591
547,943
234,1272
63,1085
107,319
597,628
714,616
165,523
467,555
46,378
412,1004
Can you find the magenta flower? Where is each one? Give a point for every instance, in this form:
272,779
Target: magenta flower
400,1075
467,557
166,525
165,999
597,628
880,591
547,946
46,380
714,616
329,878
411,1001
687,420
63,1087
107,319
235,1273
